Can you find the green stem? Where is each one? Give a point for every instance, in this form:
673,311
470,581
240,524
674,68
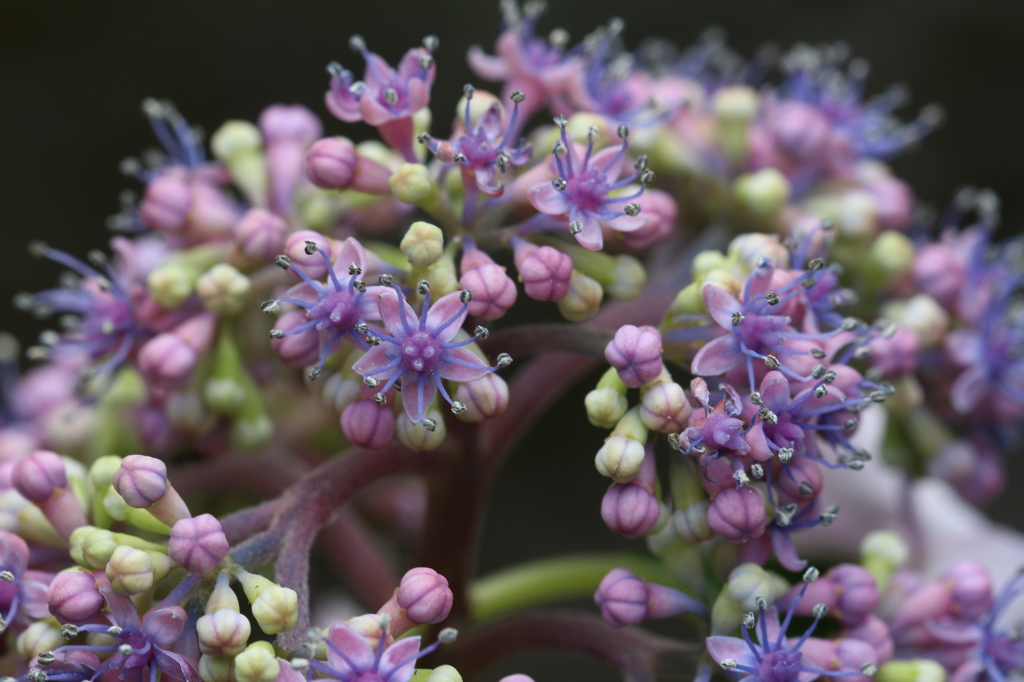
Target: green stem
547,580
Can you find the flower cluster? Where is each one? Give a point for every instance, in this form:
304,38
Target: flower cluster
278,296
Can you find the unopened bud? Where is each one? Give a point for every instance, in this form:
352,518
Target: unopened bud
423,244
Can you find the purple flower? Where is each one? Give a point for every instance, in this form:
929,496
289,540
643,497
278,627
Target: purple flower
584,186
336,308
141,645
350,658
777,659
483,150
996,653
22,592
386,98
421,352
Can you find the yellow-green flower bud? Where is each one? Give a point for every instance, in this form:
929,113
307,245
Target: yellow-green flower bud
706,261
223,597
882,552
276,609
97,547
223,633
223,289
239,145
39,637
130,571
726,614
914,670
419,437
444,673
257,663
620,458
627,279
763,192
412,184
170,284
442,277
632,426
423,244
611,379
922,315
747,582
583,299
892,254
605,407
101,473
746,249
216,669
735,103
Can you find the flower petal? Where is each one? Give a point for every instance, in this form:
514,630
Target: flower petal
458,372
775,394
968,389
33,598
735,648
721,305
605,157
373,112
378,74
122,610
445,317
352,253
418,391
785,552
490,122
391,313
13,553
177,666
590,237
399,660
374,359
346,647
164,626
626,223
717,357
418,95
546,199
486,66
772,626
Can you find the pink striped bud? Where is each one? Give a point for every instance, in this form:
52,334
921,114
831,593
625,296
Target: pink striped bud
425,596
635,353
141,480
368,425
198,544
484,398
737,514
74,597
312,264
545,271
259,236
169,359
39,476
296,350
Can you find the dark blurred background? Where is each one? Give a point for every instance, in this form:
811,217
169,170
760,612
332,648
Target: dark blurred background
72,76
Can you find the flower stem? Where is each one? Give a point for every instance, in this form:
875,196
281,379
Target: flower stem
546,580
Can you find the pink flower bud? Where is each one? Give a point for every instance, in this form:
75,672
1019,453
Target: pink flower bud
800,130
166,203
976,470
737,514
259,236
198,544
331,163
494,292
896,356
660,211
296,350
484,398
940,272
894,202
287,131
311,264
38,476
665,408
545,271
74,597
472,257
630,509
635,353
425,596
971,588
856,593
141,480
212,215
875,632
225,632
169,359
622,598
368,425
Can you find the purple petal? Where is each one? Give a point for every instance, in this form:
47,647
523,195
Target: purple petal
785,552
373,112
968,389
721,305
378,74
411,67
546,199
417,94
604,157
13,553
164,626
626,223
343,104
374,359
122,610
352,252
33,598
590,237
418,391
177,666
390,313
399,660
735,648
346,645
490,123
461,373
717,357
442,313
775,394
772,625
486,66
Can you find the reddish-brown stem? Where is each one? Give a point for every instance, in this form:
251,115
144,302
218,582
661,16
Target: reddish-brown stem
638,655
353,553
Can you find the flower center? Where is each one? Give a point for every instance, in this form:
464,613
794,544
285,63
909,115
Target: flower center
339,309
779,666
421,352
587,189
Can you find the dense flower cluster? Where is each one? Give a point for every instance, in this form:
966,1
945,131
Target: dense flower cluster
283,295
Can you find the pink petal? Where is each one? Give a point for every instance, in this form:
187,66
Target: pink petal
373,112
546,199
970,670
590,237
486,66
461,373
418,391
351,252
717,357
721,305
604,157
369,308
626,223
399,660
164,626
785,552
374,359
441,313
33,598
345,645
343,106
378,74
491,121
735,648
390,313
13,553
410,66
968,389
775,393
758,444
417,95
177,665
